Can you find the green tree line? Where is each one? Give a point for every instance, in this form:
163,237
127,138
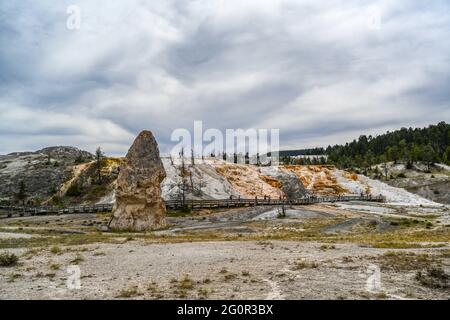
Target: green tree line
429,145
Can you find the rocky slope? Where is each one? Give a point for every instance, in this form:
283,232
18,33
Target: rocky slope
431,183
41,173
217,179
63,180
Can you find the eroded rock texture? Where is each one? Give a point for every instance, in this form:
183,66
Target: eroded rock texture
139,206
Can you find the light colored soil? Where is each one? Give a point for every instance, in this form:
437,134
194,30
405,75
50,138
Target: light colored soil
326,255
108,269
9,235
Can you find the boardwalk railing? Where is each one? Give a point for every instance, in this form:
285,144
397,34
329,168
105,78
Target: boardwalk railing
228,203
51,210
179,204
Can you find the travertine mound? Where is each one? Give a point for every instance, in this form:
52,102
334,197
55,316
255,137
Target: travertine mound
139,205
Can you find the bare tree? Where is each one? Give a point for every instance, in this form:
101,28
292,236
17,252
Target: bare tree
201,184
182,185
98,163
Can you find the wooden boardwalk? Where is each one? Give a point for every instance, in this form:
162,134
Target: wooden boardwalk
21,211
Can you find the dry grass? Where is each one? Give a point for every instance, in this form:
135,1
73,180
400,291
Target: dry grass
229,276
186,283
56,250
325,247
406,261
203,293
129,292
78,258
13,276
245,273
55,266
302,264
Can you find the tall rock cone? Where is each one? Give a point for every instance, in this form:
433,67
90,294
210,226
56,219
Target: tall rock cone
139,206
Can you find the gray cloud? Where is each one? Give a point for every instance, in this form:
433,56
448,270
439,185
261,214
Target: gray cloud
321,72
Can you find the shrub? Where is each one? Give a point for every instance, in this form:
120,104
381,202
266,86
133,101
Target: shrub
229,276
56,250
77,259
79,159
281,213
327,247
434,278
129,292
57,201
186,209
55,266
186,283
299,265
8,259
74,191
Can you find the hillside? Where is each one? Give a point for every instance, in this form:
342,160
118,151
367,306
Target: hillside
432,183
38,175
54,176
429,145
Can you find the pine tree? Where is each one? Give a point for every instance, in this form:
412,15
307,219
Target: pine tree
22,194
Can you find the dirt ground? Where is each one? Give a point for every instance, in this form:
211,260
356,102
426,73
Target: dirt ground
315,252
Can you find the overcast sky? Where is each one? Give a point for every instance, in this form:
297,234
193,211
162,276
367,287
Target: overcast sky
323,72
